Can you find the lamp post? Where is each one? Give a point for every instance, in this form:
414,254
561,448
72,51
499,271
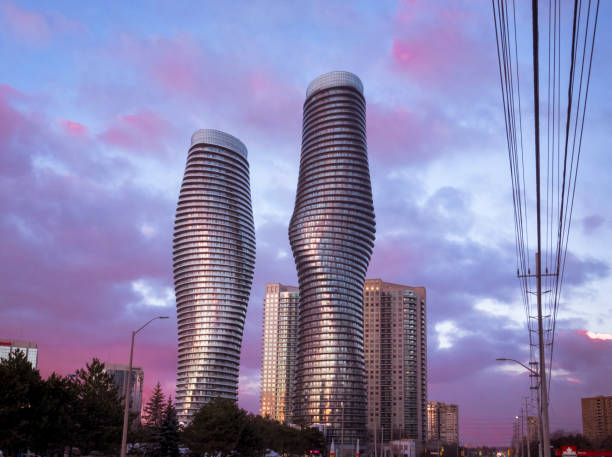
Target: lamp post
542,430
515,436
127,387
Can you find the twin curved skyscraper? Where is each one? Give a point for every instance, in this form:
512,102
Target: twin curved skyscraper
214,259
332,237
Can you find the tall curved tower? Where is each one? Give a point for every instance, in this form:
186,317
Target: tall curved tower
214,257
332,237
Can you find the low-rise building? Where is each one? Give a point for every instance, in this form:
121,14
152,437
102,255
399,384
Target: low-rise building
29,348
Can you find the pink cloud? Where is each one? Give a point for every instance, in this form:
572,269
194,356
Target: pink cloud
139,131
183,70
398,135
598,336
434,47
73,128
38,28
175,68
28,25
176,64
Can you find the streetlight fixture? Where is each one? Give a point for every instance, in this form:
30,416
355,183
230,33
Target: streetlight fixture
127,387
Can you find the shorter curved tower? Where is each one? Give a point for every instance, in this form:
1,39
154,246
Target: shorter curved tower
214,258
332,237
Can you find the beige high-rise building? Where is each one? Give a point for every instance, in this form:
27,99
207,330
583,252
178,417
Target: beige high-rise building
597,417
442,422
395,334
279,350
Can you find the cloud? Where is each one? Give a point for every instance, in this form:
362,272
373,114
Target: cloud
74,128
592,222
599,336
183,70
28,25
249,389
150,297
411,137
434,48
38,28
448,333
142,131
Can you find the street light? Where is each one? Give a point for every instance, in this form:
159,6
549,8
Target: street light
541,429
127,387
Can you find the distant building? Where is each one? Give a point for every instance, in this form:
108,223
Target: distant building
442,422
403,448
395,337
29,348
597,417
120,376
279,348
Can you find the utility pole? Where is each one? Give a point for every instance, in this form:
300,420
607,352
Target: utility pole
542,353
539,424
527,427
536,100
521,433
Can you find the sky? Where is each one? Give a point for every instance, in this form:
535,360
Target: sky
98,101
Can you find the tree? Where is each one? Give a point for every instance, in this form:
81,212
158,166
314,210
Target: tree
57,409
99,415
250,443
561,438
170,431
153,421
215,428
19,400
312,438
606,443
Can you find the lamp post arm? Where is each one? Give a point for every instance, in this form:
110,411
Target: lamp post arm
158,317
531,370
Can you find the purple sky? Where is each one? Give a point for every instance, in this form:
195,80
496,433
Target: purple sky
97,105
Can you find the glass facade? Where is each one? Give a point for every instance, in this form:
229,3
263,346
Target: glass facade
279,346
332,237
214,258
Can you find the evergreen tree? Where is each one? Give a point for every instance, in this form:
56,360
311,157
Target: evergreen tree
57,410
99,415
170,431
153,421
20,394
